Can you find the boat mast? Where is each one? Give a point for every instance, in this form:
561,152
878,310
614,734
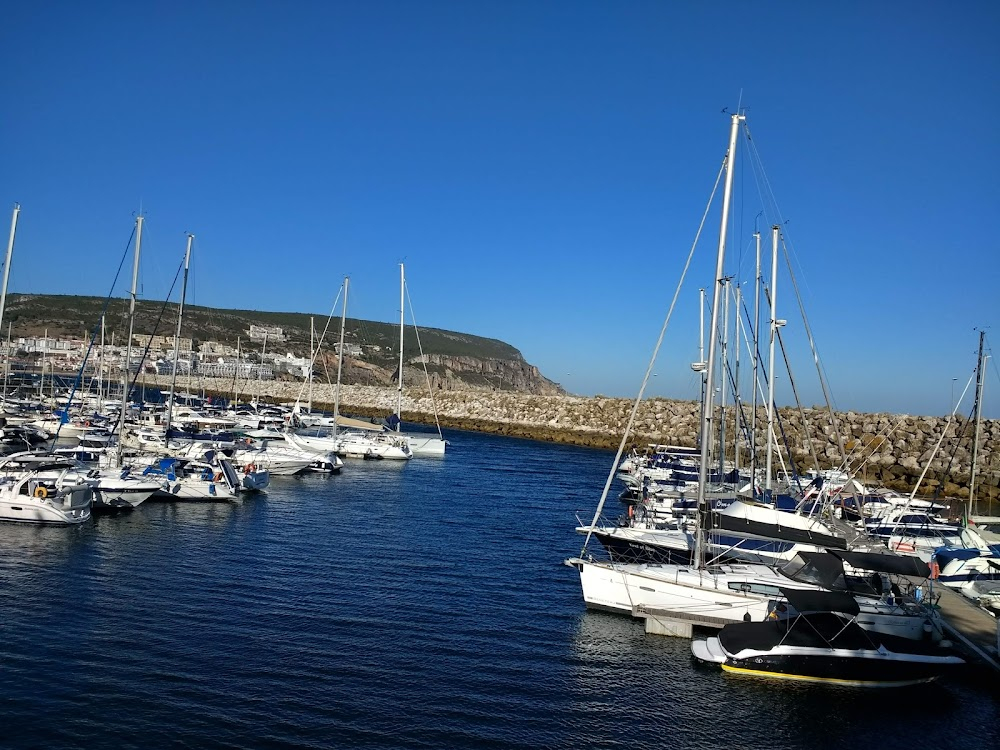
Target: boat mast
980,382
177,335
6,272
6,369
756,376
128,343
399,388
723,383
41,379
737,407
700,365
706,412
260,374
100,373
340,358
770,364
312,357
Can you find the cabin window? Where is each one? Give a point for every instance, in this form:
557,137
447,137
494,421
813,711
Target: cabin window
747,587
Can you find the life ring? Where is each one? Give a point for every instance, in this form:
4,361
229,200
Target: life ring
40,491
250,468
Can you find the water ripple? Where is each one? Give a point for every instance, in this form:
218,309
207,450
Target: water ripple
394,606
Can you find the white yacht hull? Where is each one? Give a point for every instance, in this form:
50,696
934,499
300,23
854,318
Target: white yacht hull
196,490
730,595
74,508
426,446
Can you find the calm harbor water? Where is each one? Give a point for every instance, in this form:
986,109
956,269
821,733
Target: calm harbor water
422,605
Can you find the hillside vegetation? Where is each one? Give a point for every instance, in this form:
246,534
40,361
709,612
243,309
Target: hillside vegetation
77,316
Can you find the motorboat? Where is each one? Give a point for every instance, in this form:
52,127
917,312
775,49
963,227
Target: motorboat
820,640
39,497
185,479
916,533
113,488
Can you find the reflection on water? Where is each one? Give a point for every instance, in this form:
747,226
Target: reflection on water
399,604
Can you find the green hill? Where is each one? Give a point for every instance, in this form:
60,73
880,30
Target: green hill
77,316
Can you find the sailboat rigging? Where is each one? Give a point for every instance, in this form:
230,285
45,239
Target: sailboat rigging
421,444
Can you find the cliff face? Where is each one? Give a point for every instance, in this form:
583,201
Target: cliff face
454,360
472,373
445,373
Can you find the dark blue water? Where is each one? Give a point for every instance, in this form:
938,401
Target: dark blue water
395,606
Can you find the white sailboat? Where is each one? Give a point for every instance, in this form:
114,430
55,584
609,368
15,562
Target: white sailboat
354,443
420,444
699,592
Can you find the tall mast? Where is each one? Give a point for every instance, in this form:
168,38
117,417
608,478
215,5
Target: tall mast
723,380
41,380
756,363
100,372
236,373
6,267
260,373
701,365
770,364
706,412
399,388
312,358
980,382
340,358
177,333
128,343
6,369
737,408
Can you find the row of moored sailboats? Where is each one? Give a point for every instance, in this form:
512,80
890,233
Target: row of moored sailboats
127,451
816,578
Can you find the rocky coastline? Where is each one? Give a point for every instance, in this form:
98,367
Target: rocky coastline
893,450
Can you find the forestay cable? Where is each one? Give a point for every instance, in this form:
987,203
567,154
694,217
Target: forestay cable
652,361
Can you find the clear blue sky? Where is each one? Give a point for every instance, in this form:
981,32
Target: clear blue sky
540,167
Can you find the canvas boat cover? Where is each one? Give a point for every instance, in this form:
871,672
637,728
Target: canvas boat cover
810,600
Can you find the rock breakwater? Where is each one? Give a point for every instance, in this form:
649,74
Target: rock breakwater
889,449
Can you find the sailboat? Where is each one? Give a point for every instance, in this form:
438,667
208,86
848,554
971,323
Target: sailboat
973,566
420,444
699,592
353,442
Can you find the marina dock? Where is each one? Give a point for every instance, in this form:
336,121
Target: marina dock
973,629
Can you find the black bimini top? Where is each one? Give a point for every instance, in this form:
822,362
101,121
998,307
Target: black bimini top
820,630
884,563
827,568
810,600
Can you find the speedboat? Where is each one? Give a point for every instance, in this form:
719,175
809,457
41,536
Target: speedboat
29,496
916,533
113,488
823,642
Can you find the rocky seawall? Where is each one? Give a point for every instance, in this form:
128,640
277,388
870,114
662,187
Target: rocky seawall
889,449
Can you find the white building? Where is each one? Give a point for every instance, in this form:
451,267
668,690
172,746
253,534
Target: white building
273,333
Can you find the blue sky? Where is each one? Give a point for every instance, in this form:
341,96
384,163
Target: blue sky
540,167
